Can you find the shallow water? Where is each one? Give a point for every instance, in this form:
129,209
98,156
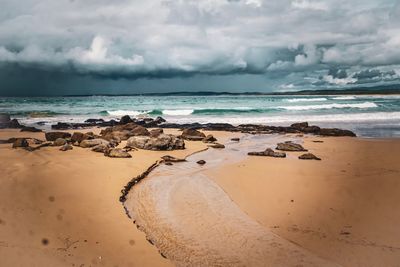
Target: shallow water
193,222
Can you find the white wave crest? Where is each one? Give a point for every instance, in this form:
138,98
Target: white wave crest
344,98
331,106
127,112
307,99
178,112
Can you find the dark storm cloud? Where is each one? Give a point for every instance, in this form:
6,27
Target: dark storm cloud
288,43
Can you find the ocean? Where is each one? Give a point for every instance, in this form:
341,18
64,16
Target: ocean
367,115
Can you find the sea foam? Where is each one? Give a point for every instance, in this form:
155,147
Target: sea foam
307,99
363,105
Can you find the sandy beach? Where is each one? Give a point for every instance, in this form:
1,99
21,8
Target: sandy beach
62,208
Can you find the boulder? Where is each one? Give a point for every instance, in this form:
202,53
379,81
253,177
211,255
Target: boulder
192,135
125,119
59,142
216,145
30,129
268,153
117,153
79,137
309,156
66,147
93,142
159,120
61,126
209,139
52,136
140,130
290,146
14,124
4,120
162,142
311,129
102,148
299,125
156,132
201,162
169,158
336,132
20,142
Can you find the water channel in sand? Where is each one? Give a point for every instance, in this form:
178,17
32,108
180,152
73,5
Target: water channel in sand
193,222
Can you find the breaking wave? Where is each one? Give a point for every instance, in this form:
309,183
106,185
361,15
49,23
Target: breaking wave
363,105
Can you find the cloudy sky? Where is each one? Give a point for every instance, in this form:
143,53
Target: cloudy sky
134,46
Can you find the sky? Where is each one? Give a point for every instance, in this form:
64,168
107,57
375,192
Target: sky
67,47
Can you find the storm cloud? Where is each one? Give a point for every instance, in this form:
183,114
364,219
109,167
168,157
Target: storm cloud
132,45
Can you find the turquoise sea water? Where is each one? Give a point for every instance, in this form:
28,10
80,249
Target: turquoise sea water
369,116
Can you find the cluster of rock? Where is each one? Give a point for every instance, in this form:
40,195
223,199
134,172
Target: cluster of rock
286,146
146,122
7,122
195,135
300,128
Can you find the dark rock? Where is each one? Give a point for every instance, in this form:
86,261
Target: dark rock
216,145
94,121
268,153
125,119
290,146
162,142
66,147
318,141
79,137
311,129
201,162
14,124
209,139
59,142
309,156
335,132
168,163
117,153
4,120
62,126
159,120
192,135
20,142
169,158
93,142
236,139
52,136
30,129
299,125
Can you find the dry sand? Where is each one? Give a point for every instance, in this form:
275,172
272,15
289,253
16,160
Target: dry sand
344,208
71,199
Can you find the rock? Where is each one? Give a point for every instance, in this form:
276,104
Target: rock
156,132
311,129
299,125
78,137
125,119
14,124
159,120
162,142
169,158
52,136
66,147
94,121
216,145
93,142
168,163
235,139
102,148
309,156
290,146
209,139
61,126
117,153
192,135
268,153
201,162
140,130
30,129
20,142
59,142
335,132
